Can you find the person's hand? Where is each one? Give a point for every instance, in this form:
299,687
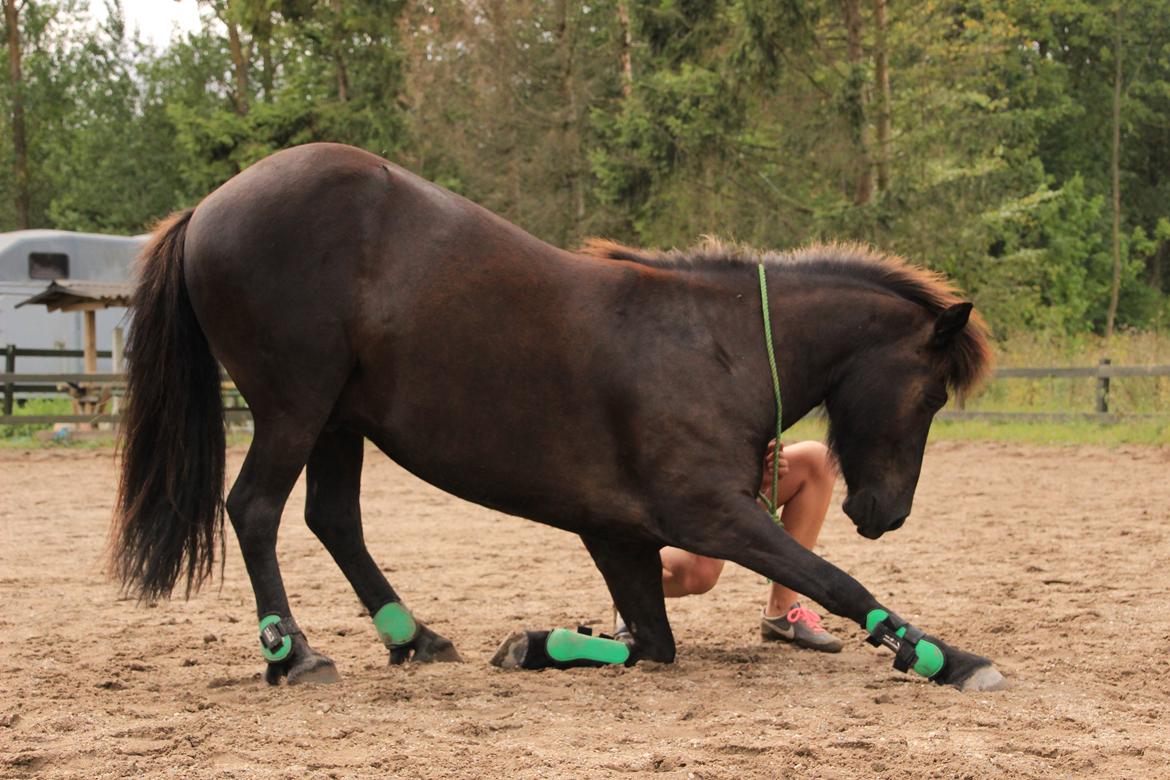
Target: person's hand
775,454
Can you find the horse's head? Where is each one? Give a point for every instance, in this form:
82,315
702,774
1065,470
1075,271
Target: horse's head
882,403
895,339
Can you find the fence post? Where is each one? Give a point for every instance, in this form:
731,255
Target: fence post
116,366
1103,387
9,368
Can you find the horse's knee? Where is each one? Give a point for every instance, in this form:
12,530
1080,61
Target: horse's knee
254,521
316,519
317,522
329,525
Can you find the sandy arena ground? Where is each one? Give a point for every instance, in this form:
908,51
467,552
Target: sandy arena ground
1053,561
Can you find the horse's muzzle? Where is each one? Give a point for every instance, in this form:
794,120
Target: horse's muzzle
864,512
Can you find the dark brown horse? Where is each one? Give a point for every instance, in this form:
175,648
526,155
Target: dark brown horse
622,396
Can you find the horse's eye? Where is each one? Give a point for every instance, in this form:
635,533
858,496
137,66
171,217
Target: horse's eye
935,399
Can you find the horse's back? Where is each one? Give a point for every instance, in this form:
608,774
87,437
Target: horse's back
328,280
327,225
319,206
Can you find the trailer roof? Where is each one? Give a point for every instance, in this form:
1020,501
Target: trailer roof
108,251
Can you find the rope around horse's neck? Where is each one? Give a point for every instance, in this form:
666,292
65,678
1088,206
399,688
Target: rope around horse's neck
770,500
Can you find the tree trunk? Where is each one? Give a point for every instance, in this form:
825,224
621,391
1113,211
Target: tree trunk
571,128
267,67
338,57
239,64
19,139
1115,292
623,10
882,74
342,78
1157,264
851,13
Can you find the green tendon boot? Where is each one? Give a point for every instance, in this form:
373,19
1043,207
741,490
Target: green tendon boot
276,637
912,648
395,625
559,649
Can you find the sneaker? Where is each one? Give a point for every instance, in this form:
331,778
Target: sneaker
800,626
621,632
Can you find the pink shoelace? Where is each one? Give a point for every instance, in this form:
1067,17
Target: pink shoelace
809,618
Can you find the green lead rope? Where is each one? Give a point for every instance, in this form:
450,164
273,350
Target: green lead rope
769,501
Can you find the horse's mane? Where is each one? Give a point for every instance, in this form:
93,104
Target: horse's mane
969,357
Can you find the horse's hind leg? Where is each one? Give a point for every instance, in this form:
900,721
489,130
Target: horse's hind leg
333,513
278,452
633,572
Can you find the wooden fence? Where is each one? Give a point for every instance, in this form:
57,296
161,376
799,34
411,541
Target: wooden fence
15,384
1105,372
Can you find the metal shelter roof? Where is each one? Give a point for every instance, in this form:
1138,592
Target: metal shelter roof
70,295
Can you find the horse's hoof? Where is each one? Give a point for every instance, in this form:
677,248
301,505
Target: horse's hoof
427,647
985,678
446,654
317,669
512,651
274,673
430,647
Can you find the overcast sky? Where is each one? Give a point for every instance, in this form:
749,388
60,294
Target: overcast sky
156,19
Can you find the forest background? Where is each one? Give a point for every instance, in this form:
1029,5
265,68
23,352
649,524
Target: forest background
1023,147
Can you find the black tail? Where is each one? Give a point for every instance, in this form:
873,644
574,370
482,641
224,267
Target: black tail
169,518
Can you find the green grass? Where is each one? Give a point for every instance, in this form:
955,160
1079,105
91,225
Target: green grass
22,435
1155,432
1151,432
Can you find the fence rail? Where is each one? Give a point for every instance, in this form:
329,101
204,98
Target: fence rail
1104,372
52,419
92,379
53,353
1110,418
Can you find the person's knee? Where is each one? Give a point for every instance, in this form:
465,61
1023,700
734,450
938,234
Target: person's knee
824,467
702,575
814,463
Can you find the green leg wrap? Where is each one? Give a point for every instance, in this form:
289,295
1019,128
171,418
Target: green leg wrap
275,642
395,625
566,646
911,648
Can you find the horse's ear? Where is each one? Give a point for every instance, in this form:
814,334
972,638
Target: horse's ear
950,321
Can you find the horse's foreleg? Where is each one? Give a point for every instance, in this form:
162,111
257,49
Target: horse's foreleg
333,513
744,533
633,572
254,505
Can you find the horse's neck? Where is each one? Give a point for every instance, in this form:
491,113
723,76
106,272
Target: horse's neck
826,326
820,324
722,306
820,327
